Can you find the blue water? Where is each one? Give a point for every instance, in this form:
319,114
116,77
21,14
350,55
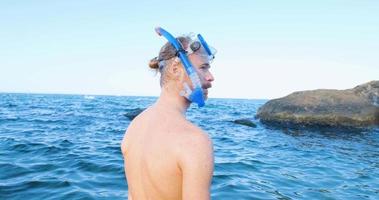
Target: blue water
67,147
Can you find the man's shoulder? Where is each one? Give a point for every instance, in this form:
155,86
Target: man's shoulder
194,140
194,133
195,152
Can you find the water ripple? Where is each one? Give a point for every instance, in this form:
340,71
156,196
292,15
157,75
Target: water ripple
67,147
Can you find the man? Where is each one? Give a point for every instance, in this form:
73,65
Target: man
165,155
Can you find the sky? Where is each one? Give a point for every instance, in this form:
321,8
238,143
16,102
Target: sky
265,49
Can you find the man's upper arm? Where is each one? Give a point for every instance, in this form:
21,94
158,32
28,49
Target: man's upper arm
196,163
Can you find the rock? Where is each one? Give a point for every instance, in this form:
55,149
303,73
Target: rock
369,91
357,107
132,113
245,122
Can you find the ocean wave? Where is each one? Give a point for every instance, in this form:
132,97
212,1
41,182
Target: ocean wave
67,147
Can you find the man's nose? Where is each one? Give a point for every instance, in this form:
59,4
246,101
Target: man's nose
210,77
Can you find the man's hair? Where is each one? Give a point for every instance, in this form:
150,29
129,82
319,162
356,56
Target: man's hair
166,56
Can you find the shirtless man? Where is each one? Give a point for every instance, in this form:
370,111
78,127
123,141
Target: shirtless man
165,155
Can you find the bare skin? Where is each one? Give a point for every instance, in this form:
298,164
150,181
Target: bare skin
165,155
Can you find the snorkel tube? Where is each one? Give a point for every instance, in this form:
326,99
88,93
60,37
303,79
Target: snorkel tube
196,95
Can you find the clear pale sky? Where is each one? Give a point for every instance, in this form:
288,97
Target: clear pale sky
266,49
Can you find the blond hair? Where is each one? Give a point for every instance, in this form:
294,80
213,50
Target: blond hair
166,55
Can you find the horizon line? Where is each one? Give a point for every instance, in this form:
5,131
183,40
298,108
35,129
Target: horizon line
114,95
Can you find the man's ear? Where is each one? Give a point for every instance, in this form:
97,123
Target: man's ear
181,73
177,70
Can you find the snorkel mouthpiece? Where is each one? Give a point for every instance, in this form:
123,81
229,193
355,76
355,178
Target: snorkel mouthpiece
196,95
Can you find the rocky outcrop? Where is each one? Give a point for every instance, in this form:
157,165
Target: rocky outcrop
356,107
132,113
245,122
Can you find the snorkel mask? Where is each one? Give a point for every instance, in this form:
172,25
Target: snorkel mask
196,94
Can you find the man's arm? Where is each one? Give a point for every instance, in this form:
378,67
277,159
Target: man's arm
196,162
129,195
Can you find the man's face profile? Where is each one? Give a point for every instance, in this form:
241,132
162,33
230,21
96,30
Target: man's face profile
202,66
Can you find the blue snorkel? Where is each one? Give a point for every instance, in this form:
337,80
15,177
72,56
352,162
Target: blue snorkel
196,95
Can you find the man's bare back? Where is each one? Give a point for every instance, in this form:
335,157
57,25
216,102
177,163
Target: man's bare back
167,157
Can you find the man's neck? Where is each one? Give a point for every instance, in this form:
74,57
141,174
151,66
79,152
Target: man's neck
172,101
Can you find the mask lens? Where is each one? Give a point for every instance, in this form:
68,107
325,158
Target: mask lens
195,46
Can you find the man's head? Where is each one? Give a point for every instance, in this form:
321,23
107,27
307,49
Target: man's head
173,74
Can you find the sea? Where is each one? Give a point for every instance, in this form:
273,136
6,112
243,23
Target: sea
68,147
